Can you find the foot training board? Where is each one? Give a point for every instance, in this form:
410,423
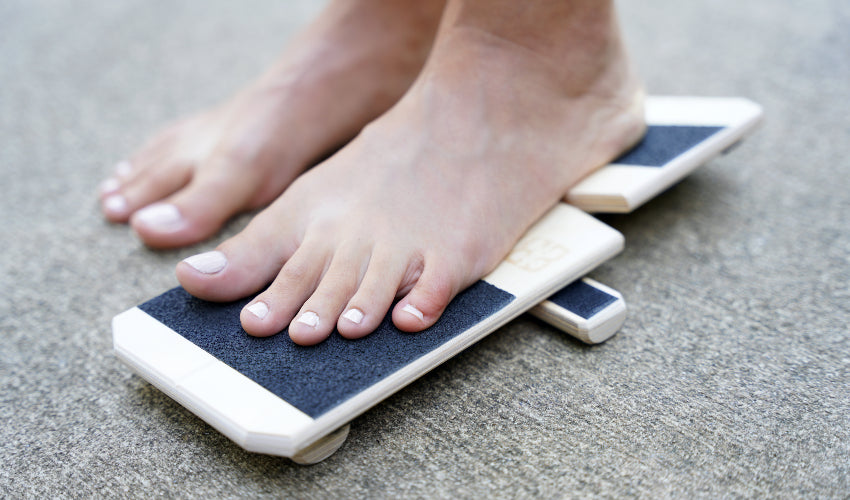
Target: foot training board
683,133
272,396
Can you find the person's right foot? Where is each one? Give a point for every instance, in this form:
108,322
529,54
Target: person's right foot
347,68
518,101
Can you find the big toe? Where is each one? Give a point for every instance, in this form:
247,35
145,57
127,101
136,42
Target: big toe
240,266
197,211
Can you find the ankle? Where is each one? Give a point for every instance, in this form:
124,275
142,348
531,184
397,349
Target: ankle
577,44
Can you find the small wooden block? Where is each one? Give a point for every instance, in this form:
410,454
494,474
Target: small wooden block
585,309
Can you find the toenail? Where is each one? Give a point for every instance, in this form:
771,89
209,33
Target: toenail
115,204
354,315
207,262
162,216
109,185
309,318
414,311
123,168
258,309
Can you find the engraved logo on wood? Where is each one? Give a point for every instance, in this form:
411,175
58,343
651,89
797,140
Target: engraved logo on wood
536,253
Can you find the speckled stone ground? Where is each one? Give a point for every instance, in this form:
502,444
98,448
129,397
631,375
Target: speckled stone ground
730,377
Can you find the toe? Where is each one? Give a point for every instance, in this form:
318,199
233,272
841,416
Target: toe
155,171
112,184
318,316
369,305
243,264
162,167
122,196
274,309
217,191
424,305
114,205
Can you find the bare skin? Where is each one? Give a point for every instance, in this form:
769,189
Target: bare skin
344,70
518,101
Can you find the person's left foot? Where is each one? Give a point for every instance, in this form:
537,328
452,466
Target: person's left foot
433,195
348,67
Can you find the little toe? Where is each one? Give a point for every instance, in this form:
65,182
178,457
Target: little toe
113,204
123,169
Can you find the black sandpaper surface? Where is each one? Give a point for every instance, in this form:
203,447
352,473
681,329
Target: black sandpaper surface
582,299
663,143
318,378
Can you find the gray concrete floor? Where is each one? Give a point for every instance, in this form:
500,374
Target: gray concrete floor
730,377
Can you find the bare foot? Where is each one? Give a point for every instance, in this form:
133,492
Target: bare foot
347,68
504,118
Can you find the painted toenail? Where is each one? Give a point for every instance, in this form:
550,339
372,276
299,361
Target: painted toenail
207,262
123,168
115,204
414,311
354,315
258,309
109,185
309,318
161,216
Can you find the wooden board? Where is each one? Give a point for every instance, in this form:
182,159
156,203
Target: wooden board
585,309
561,247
